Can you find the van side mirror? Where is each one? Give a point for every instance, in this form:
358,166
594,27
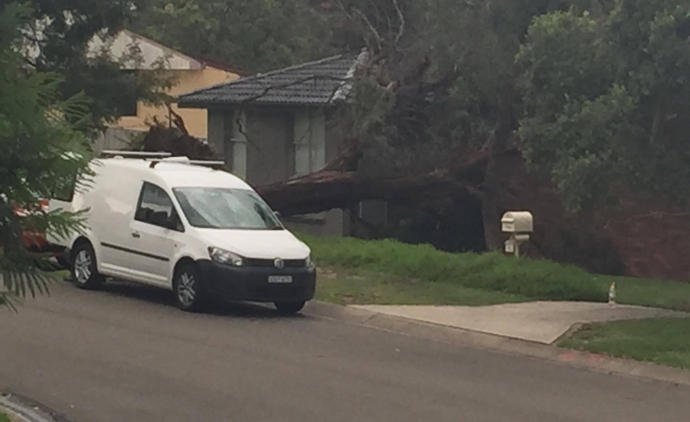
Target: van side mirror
277,214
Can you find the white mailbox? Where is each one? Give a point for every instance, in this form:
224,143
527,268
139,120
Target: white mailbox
517,222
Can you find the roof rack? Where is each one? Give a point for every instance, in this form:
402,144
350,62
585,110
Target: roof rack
185,160
206,163
134,154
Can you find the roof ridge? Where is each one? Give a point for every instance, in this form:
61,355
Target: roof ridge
264,75
295,67
228,67
160,45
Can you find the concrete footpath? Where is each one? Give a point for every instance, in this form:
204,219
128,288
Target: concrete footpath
540,322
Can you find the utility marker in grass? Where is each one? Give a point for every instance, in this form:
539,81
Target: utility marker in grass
612,294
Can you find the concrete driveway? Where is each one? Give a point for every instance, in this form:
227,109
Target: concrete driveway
126,355
540,322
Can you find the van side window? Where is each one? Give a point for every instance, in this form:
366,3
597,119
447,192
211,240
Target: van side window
155,207
64,189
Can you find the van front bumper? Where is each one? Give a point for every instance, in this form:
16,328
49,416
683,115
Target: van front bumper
252,283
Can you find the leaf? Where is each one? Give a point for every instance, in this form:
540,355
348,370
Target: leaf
42,149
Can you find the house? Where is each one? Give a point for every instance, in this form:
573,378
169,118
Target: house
188,74
275,126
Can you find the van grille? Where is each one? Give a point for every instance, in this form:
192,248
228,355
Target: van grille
266,263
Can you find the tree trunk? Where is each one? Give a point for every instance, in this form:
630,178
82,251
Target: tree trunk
339,185
336,186
326,190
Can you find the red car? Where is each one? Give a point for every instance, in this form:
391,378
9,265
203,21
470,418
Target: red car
38,241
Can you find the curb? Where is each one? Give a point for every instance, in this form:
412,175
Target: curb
494,343
26,410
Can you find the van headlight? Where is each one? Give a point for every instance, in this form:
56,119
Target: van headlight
309,262
222,256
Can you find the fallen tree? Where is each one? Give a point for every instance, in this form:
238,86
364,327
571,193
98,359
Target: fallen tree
338,185
326,190
525,104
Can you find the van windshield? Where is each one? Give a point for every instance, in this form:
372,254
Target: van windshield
221,208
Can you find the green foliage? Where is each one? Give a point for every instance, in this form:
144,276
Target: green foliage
607,101
661,341
42,152
453,65
59,32
359,287
394,272
542,280
257,35
595,94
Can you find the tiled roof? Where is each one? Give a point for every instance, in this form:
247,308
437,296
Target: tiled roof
310,84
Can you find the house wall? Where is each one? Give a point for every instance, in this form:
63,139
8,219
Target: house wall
269,138
280,143
373,212
216,131
114,138
311,145
196,120
137,52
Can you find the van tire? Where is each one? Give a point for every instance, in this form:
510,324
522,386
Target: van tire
188,289
84,267
289,308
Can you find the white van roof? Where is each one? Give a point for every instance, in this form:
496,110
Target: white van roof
174,175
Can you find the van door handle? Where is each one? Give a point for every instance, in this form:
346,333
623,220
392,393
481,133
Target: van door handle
136,235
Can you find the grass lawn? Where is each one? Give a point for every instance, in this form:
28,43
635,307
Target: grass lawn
4,417
59,275
661,341
654,293
346,287
390,272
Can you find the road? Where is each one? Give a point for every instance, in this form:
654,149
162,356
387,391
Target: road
125,354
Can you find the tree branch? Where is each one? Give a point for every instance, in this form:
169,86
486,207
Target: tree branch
326,190
177,120
401,29
243,131
377,36
338,186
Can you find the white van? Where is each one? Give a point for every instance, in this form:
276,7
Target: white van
191,229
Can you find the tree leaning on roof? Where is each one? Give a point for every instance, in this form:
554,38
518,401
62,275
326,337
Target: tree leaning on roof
42,151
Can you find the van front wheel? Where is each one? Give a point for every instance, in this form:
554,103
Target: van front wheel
188,289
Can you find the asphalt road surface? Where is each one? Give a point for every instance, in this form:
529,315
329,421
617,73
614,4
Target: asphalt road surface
126,355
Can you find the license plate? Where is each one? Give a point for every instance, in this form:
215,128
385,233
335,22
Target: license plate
280,279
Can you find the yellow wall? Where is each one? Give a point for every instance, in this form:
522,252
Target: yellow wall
186,81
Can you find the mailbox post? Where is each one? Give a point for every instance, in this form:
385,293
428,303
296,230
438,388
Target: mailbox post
519,224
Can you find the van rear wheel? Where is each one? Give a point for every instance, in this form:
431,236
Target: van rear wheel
289,308
188,289
63,263
84,269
